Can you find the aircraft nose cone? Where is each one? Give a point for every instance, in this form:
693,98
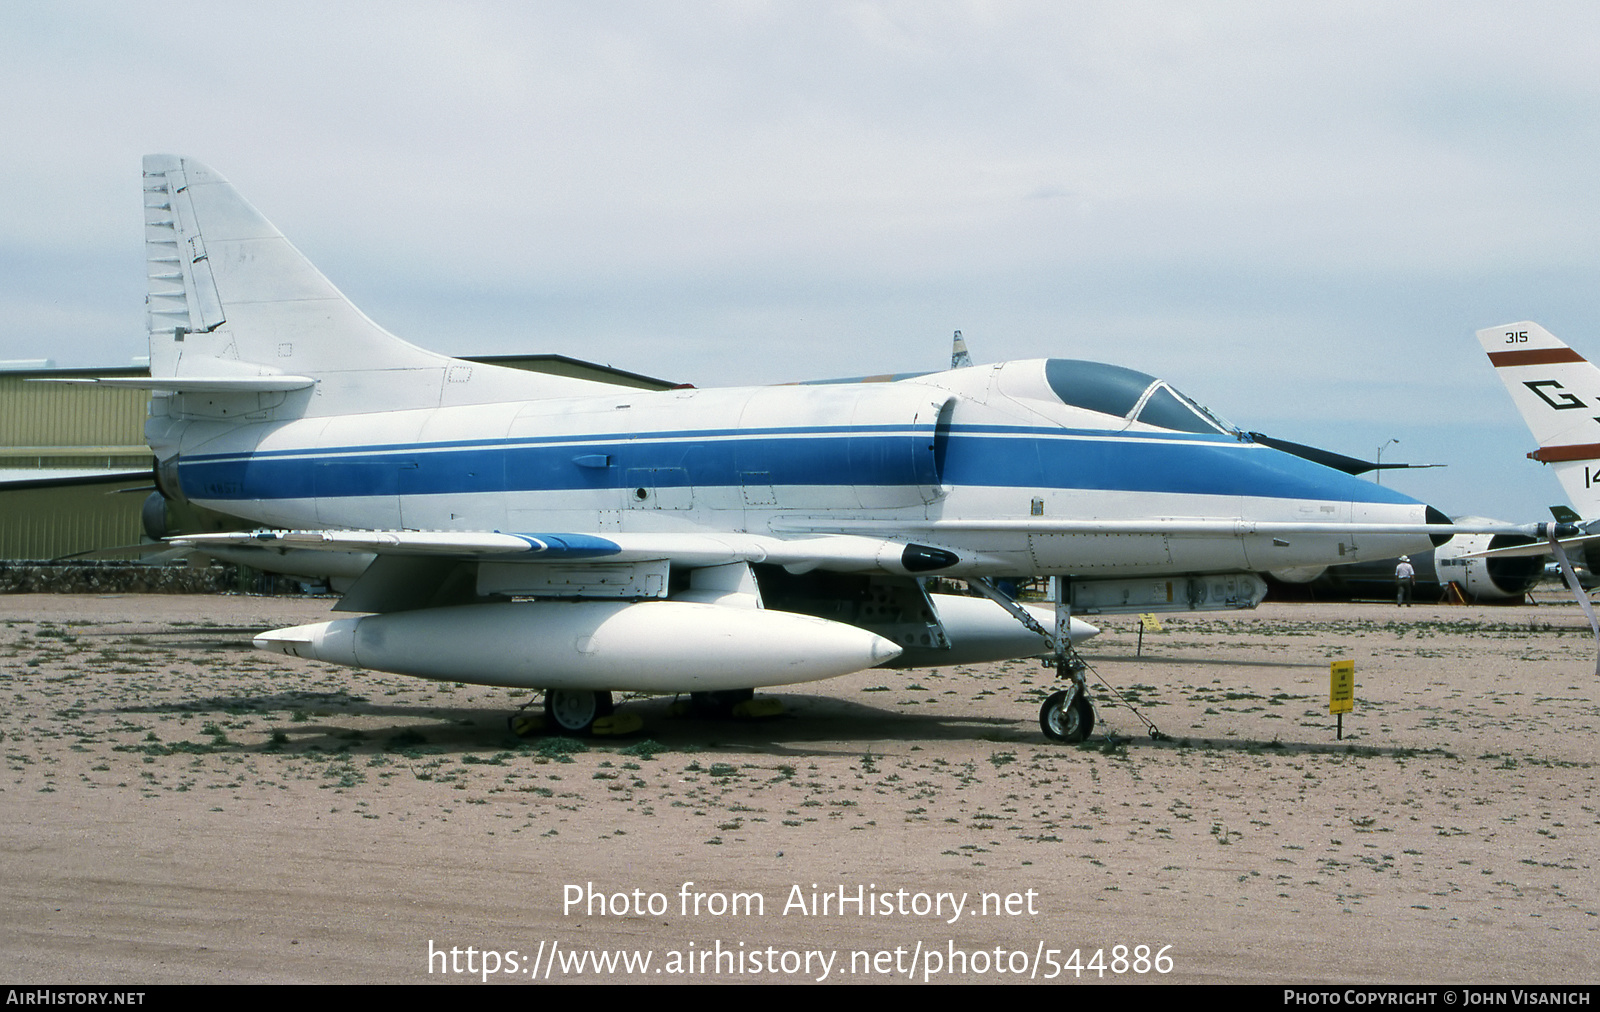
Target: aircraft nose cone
1433,516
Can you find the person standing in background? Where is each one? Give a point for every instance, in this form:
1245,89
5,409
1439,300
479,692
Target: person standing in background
1405,582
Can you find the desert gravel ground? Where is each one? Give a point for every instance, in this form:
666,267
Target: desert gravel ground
177,807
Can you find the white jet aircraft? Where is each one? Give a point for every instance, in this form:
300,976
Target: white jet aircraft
580,538
1557,391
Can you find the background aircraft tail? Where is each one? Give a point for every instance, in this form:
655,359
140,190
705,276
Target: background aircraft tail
1558,392
242,323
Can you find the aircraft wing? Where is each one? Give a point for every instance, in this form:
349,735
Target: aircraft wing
417,569
843,552
397,570
803,544
1172,526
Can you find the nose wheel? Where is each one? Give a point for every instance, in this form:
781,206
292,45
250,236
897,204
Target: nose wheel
1067,716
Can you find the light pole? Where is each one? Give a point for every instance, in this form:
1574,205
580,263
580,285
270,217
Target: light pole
1377,472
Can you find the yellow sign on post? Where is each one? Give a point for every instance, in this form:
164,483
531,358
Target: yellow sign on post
1341,692
1147,620
1341,686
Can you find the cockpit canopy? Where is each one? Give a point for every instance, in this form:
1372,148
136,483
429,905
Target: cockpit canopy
1126,393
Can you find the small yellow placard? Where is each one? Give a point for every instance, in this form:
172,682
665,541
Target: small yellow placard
1341,686
1148,622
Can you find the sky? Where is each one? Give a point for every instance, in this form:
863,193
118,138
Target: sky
1296,213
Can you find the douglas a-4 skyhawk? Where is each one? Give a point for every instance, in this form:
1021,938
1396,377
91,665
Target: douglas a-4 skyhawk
512,528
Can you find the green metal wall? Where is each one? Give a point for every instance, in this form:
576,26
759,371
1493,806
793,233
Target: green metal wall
61,520
70,425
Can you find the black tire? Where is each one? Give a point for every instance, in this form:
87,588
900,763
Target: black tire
574,711
1070,727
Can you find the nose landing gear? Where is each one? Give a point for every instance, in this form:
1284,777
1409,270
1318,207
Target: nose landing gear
1067,715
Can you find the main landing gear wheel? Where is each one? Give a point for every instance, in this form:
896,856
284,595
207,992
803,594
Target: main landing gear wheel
1070,725
574,711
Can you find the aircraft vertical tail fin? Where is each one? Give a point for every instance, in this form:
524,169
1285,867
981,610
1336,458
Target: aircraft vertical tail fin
230,299
1558,393
228,294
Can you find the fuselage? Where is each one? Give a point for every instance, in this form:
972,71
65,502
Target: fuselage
989,463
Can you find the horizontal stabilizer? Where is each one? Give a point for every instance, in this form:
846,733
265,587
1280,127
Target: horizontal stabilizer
14,480
197,384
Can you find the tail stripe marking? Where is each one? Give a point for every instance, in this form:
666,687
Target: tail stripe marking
1575,451
1534,356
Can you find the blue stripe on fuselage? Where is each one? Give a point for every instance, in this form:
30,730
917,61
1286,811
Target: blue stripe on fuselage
998,456
1192,466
